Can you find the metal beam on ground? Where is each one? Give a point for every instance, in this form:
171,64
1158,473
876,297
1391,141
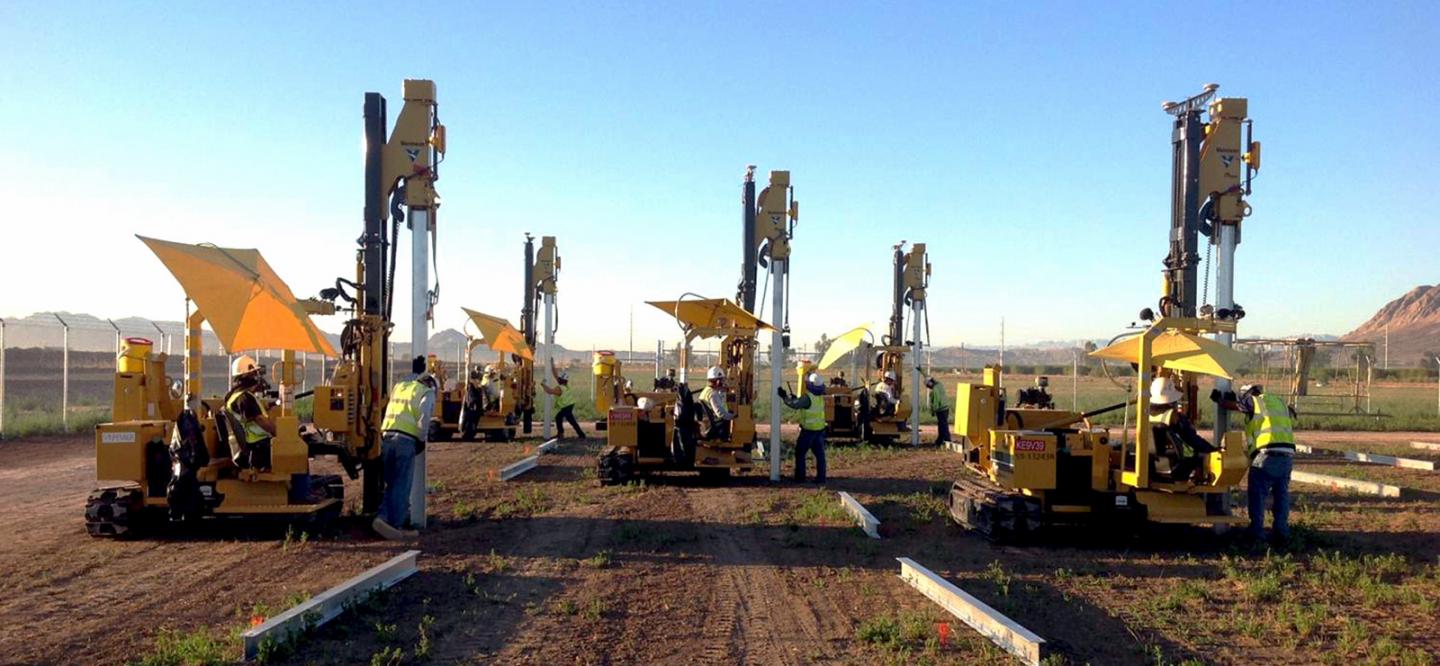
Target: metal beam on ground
549,445
863,517
1003,631
1425,446
1365,487
329,604
519,467
1372,458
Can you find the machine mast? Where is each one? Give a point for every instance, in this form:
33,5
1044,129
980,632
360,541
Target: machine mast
1210,178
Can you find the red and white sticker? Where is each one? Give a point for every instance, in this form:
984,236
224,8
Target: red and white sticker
1029,445
622,416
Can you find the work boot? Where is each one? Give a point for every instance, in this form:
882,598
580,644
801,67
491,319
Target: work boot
390,532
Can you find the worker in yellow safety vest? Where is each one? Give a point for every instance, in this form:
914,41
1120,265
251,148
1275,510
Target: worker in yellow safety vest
1270,431
250,426
564,401
403,432
811,405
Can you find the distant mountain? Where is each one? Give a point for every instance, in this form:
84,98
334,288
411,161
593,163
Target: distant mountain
1413,324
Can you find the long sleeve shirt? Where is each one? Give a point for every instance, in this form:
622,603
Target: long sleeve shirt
801,401
715,398
938,401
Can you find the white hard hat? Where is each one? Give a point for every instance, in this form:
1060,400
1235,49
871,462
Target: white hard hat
243,364
715,373
814,379
489,369
889,374
1163,392
643,403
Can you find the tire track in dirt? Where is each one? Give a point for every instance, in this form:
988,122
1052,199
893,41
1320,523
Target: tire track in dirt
767,622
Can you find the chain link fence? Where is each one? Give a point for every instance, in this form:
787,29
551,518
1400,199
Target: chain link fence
57,370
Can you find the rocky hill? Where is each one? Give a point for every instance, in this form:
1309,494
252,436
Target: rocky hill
1413,321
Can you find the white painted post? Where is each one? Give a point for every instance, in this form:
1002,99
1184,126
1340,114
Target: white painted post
64,375
1224,299
916,307
419,337
777,359
547,400
659,350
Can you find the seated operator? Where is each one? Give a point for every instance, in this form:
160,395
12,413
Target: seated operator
1173,429
713,397
885,398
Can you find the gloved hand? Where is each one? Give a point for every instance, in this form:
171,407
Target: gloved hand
780,391
1215,395
1231,397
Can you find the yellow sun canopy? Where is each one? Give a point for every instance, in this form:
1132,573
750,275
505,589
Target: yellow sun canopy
1179,350
499,335
247,305
711,317
843,345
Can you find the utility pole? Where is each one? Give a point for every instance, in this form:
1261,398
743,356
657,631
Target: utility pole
1074,380
1387,346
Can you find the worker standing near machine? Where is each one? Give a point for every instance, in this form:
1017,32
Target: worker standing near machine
250,425
564,402
940,407
811,405
1270,429
402,438
713,397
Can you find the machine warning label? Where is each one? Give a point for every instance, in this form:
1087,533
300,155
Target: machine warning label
1029,445
117,438
625,416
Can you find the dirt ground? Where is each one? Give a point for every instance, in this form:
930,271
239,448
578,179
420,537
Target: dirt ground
552,568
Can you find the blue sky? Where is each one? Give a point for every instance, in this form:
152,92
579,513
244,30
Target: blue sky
1024,142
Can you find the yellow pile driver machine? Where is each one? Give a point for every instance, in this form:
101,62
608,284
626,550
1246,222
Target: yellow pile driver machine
673,430
167,449
472,404
873,410
1030,468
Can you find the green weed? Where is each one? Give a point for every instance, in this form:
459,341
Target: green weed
995,573
388,656
200,647
599,560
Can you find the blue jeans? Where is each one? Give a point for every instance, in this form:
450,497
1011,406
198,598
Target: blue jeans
1270,475
398,456
810,440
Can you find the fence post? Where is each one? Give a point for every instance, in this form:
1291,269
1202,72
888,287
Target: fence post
164,338
111,322
64,375
2,378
